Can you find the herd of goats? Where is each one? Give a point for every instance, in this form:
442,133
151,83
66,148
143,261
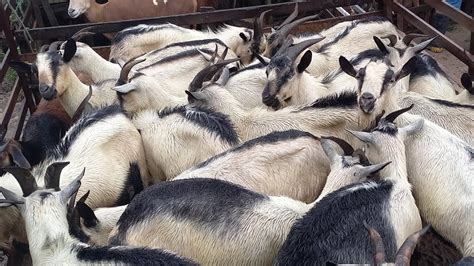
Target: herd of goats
235,147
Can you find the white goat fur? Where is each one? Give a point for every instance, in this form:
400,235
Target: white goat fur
296,168
107,219
164,139
160,36
106,148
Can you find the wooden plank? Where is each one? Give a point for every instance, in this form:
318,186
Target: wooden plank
7,114
37,12
455,14
49,13
63,32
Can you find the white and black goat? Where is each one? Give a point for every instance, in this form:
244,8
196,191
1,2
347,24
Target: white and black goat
135,41
351,38
428,78
441,184
379,89
107,143
44,214
387,205
214,221
56,79
90,64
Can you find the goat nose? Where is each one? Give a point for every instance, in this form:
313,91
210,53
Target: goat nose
367,96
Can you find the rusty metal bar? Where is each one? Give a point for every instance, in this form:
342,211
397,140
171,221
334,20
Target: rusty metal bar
426,28
11,104
62,32
453,13
21,122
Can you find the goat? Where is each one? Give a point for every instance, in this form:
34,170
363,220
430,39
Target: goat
113,10
378,88
56,79
87,62
141,91
135,41
326,116
288,163
435,183
95,141
357,32
218,218
428,78
44,215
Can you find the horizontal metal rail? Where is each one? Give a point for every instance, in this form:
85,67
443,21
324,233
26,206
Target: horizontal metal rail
62,32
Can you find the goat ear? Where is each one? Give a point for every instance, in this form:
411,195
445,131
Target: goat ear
18,157
329,149
381,45
195,96
413,128
362,136
69,50
347,67
244,37
22,67
87,214
467,83
305,61
408,68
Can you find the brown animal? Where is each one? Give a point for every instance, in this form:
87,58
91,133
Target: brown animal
113,10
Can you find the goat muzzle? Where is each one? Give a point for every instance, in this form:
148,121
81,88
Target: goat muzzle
367,102
48,93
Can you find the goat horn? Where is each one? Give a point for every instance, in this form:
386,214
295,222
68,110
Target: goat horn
260,59
378,117
209,71
290,18
54,46
377,245
127,68
392,116
53,173
43,48
345,146
87,31
409,37
82,106
296,49
214,55
407,248
258,32
392,38
10,197
285,30
25,179
224,54
284,48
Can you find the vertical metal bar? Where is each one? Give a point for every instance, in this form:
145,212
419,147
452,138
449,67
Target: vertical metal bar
21,121
471,50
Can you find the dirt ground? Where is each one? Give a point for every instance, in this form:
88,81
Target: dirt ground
453,67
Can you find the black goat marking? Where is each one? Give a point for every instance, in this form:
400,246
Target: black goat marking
62,149
55,62
214,122
127,256
138,30
209,203
133,185
387,77
325,47
181,55
187,44
427,66
341,237
345,99
272,138
387,128
285,71
43,195
251,67
451,104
